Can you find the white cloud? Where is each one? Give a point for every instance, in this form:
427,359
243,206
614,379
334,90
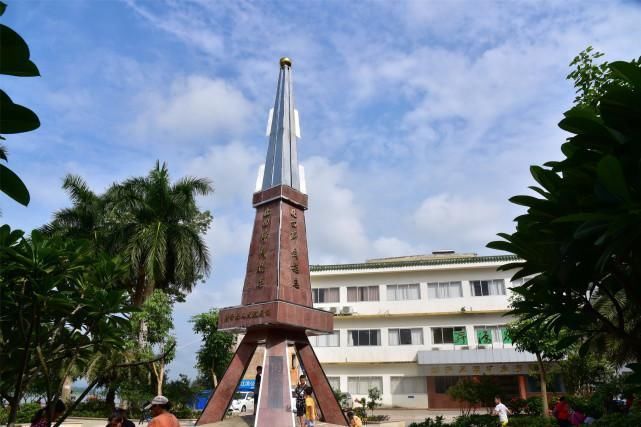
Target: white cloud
232,168
335,231
181,23
194,106
449,220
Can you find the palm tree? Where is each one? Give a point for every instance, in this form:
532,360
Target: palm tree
153,224
85,218
158,227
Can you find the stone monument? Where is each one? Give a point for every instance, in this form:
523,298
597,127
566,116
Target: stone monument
276,307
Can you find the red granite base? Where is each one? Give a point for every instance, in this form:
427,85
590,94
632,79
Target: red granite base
275,313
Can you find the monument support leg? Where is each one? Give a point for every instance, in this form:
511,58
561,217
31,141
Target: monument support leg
274,406
222,396
327,403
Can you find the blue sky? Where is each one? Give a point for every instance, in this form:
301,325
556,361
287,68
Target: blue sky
419,118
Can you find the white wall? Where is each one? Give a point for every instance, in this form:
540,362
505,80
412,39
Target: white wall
448,305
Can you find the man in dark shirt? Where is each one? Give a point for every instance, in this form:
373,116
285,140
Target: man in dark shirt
259,374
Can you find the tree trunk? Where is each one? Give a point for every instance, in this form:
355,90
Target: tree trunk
65,395
141,288
110,398
544,385
161,377
214,378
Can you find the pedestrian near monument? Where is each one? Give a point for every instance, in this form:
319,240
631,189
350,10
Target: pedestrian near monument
40,417
159,408
259,376
561,412
502,411
299,394
122,412
310,408
354,420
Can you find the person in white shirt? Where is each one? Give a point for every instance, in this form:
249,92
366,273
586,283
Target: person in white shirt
502,411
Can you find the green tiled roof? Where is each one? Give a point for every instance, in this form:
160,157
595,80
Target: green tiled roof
418,263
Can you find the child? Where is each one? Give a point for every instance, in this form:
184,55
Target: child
354,420
501,410
310,408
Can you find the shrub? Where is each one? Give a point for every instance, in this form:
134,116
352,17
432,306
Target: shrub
534,406
429,422
619,420
360,411
374,399
475,420
528,421
517,405
184,412
376,418
92,408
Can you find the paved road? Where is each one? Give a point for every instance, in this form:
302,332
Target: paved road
405,415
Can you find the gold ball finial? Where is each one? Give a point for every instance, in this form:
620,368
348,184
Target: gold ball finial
285,61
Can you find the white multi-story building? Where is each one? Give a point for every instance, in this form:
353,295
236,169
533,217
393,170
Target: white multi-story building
412,326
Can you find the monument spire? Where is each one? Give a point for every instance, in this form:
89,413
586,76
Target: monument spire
276,306
283,129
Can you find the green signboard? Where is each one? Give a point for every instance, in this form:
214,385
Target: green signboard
506,336
484,336
460,337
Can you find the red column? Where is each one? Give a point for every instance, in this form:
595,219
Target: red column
522,388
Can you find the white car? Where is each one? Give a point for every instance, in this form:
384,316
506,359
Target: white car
242,401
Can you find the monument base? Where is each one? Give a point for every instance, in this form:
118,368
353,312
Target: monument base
274,405
274,313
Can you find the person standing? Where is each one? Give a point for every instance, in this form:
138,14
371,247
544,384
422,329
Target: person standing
561,412
501,410
310,408
259,377
299,394
354,420
159,408
126,422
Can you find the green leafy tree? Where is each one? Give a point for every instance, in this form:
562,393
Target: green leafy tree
155,225
582,373
545,344
216,349
14,118
580,240
181,392
156,324
474,392
59,307
591,80
373,399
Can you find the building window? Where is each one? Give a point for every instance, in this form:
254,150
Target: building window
323,295
444,290
492,335
455,335
441,384
403,292
409,385
357,338
334,383
361,385
330,340
412,336
362,293
482,288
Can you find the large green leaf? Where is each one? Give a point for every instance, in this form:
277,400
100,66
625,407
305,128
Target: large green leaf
14,55
628,71
15,118
611,176
12,186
